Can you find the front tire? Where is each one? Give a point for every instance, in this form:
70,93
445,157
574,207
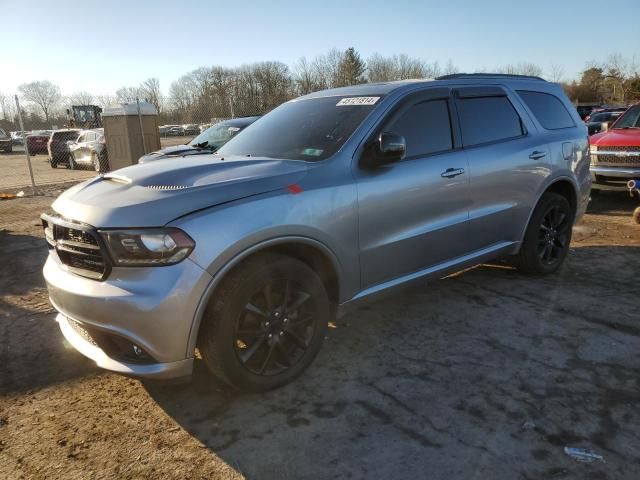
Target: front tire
265,324
548,236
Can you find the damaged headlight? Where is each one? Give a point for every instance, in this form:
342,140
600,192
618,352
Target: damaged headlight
148,246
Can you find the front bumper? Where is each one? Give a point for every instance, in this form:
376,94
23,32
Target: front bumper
613,178
158,371
153,308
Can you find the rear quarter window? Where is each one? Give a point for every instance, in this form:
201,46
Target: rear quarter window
548,109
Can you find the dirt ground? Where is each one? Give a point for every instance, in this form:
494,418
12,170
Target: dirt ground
485,374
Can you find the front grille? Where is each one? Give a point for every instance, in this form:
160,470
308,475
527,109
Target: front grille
620,149
608,157
615,161
77,246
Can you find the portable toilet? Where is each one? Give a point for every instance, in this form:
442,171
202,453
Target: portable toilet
130,131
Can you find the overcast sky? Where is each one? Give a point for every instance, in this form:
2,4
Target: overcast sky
99,46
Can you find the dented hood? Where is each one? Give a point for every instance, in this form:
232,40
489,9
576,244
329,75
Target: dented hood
155,193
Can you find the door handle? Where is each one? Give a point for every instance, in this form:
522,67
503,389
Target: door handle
537,155
452,172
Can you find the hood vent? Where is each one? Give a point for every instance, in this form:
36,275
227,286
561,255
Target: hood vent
166,187
114,177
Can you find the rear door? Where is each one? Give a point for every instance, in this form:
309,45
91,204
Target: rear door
508,161
413,213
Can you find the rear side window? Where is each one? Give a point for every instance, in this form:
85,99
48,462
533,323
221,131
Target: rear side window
65,136
426,128
488,119
548,109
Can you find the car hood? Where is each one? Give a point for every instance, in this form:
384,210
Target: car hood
617,138
155,193
174,151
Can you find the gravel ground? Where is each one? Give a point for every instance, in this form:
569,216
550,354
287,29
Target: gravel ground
485,374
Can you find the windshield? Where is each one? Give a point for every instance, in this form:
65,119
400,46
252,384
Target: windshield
214,137
630,119
311,130
65,136
605,117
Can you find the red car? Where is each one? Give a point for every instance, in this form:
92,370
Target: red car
37,141
615,153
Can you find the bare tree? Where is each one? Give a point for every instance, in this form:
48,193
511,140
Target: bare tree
556,72
305,77
522,68
399,67
127,94
450,68
150,91
81,98
105,100
43,94
7,106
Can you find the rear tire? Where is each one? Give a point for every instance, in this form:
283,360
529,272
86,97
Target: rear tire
548,236
265,324
53,163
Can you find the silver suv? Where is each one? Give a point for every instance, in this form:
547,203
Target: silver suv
246,255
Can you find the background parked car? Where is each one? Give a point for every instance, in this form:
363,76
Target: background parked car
604,110
175,131
594,124
17,138
204,126
37,141
162,130
89,151
6,144
191,129
585,109
58,146
207,142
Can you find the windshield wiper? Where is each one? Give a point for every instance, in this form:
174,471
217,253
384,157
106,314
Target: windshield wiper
205,144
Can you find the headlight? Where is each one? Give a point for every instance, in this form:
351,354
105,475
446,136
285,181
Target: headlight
148,246
593,149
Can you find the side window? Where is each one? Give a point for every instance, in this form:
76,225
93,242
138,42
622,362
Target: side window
488,119
548,109
426,128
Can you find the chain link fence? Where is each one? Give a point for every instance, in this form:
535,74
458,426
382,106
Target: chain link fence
26,162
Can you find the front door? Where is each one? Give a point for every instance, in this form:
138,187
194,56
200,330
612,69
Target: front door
413,214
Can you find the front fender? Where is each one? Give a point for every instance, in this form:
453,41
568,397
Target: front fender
236,260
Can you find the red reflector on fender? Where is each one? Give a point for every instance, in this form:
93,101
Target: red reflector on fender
295,188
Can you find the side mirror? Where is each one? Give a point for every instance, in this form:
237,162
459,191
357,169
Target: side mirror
389,148
604,126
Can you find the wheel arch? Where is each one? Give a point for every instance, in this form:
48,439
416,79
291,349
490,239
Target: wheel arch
313,253
561,185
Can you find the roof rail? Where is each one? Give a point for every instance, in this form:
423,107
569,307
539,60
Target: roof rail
455,76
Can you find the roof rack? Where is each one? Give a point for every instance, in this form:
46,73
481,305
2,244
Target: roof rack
455,76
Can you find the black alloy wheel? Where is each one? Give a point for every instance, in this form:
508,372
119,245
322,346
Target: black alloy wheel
548,236
265,323
554,234
274,330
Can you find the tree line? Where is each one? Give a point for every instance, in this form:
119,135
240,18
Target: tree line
208,93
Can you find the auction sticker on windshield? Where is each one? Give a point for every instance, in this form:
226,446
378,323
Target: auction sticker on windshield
357,101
